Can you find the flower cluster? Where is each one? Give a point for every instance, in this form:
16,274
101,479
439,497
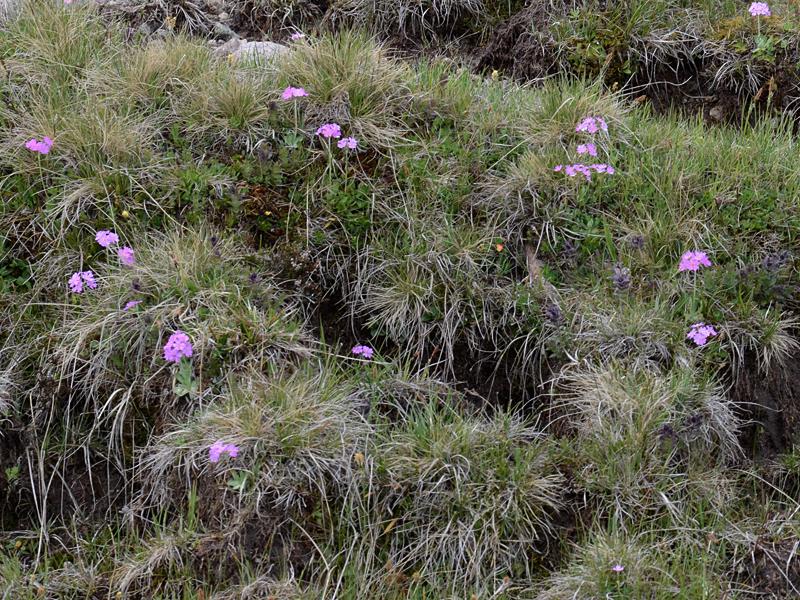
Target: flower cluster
617,568
585,170
293,92
693,260
219,448
126,256
592,125
330,130
363,351
700,332
348,142
131,304
81,278
588,148
178,345
42,147
106,238
760,9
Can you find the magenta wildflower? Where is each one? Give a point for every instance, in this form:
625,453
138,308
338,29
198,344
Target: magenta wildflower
219,448
178,345
700,332
348,142
106,238
330,130
760,9
589,149
294,92
126,256
76,283
297,35
81,278
585,170
89,280
618,568
693,260
363,351
42,147
592,125
131,304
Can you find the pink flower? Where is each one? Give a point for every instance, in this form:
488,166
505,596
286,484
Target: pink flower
293,92
219,448
760,9
700,332
618,568
131,304
297,35
363,351
589,149
81,278
126,256
585,170
693,260
592,125
330,130
76,283
106,238
42,147
348,142
178,345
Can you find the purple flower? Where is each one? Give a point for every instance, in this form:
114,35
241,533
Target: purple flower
760,9
219,448
330,130
589,149
76,283
693,260
178,345
348,142
592,125
363,351
553,314
106,238
621,278
700,332
293,92
88,279
585,170
618,568
131,304
81,278
42,147
297,35
126,256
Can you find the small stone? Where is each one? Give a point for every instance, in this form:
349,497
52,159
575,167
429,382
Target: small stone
717,113
222,31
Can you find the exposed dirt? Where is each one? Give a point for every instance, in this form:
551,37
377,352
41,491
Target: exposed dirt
771,402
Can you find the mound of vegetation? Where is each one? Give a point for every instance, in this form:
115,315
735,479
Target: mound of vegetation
335,324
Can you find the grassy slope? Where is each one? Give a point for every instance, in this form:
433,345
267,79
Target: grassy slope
449,244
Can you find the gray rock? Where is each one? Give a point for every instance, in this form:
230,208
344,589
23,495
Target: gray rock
222,31
241,49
